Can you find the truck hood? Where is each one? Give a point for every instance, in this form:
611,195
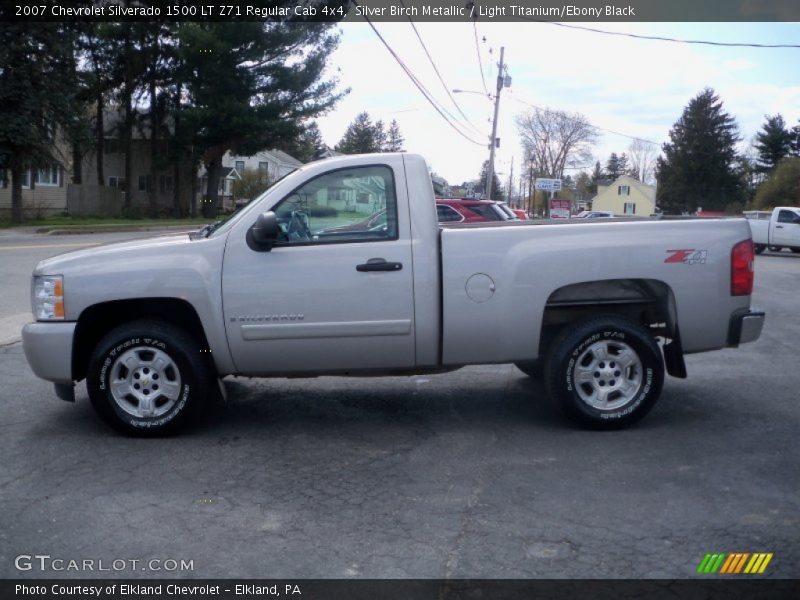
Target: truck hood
117,251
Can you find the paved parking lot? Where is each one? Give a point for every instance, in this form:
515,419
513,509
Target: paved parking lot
468,474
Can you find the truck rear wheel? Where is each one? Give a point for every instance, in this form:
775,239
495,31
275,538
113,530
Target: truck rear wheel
605,372
147,378
759,248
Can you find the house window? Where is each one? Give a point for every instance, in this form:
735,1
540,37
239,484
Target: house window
26,178
47,176
630,208
240,166
145,183
165,183
3,178
623,190
263,167
116,182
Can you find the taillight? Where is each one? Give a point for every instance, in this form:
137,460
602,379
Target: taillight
742,257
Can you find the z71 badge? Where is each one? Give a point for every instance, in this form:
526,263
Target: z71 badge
687,257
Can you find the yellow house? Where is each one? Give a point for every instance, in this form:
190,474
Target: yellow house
626,197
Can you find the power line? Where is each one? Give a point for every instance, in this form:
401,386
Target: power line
428,96
478,52
439,75
663,38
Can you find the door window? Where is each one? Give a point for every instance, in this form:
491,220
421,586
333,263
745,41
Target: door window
787,216
348,205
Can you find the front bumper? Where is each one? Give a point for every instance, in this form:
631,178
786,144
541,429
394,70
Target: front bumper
48,348
745,326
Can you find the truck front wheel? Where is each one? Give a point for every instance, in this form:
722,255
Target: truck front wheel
605,372
147,378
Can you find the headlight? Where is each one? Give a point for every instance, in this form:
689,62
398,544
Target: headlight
48,297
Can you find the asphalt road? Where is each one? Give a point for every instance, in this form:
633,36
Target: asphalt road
469,474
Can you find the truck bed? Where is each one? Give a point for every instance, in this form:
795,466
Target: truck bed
527,262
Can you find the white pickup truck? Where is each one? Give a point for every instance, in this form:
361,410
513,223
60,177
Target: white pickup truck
776,230
341,268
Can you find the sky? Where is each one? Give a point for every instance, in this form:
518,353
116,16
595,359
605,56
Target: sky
635,87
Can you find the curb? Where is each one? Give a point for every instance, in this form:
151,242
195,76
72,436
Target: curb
11,328
114,229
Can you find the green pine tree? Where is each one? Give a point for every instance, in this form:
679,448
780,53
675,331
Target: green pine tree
37,97
394,139
362,136
497,188
698,167
613,167
773,143
247,91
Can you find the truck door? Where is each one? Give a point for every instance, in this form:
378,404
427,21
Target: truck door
336,292
786,230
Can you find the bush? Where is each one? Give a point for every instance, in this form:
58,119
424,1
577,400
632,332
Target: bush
251,185
783,186
132,212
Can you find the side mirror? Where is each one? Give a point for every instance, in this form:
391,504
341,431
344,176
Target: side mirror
264,233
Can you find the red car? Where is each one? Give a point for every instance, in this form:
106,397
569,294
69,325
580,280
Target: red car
464,210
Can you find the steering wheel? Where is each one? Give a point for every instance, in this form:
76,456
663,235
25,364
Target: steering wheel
297,227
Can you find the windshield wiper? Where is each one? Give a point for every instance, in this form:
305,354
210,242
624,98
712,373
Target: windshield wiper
205,231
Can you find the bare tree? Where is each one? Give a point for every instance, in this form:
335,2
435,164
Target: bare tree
554,140
642,157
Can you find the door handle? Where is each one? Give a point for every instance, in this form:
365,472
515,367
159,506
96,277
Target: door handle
379,264
778,226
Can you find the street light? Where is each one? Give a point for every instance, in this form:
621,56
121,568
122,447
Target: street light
489,96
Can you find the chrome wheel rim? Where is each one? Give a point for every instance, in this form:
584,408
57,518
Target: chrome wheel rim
608,375
145,382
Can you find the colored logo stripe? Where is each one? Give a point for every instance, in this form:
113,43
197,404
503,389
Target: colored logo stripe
735,562
710,563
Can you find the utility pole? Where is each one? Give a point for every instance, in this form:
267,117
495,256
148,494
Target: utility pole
510,182
493,140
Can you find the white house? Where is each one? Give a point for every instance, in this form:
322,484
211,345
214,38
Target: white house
274,163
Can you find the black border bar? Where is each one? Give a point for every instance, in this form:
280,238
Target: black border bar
707,588
483,11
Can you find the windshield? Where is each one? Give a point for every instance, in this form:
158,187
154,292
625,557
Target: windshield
220,227
510,213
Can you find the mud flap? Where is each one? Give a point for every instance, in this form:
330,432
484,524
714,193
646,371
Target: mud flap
65,391
673,356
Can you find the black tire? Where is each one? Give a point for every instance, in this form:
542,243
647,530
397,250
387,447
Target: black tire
759,248
569,354
795,249
187,378
532,369
775,248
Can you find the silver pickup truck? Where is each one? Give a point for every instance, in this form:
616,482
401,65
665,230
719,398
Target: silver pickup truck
342,268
